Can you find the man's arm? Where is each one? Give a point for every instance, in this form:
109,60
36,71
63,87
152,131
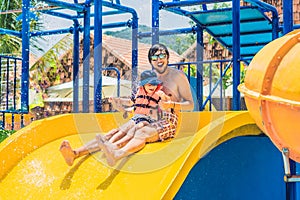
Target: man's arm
182,93
185,94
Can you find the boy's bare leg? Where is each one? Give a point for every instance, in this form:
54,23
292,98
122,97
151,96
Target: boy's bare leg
108,151
70,154
121,142
138,142
122,131
101,138
92,146
118,135
110,134
112,156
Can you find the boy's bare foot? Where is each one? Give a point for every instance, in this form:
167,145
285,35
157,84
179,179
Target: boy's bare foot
111,161
67,152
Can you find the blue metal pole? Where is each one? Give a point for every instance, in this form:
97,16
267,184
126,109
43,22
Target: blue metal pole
10,32
25,55
275,19
71,17
275,25
134,52
7,83
134,35
115,25
86,61
69,6
51,32
68,30
15,84
297,185
287,16
291,192
155,21
119,7
168,32
98,57
236,101
111,25
189,3
76,67
60,14
199,54
118,77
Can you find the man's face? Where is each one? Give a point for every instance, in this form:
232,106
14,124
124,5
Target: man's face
159,61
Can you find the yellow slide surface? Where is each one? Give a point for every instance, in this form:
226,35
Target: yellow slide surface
32,167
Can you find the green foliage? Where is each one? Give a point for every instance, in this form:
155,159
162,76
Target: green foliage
221,5
206,71
178,43
214,72
227,78
193,71
10,44
5,133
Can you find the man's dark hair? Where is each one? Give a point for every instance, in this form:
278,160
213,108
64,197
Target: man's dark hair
156,48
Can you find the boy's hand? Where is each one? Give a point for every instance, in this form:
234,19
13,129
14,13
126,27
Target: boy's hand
116,103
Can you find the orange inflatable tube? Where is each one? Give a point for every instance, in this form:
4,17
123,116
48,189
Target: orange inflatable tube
272,92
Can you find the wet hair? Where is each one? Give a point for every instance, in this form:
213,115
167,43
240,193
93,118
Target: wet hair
156,48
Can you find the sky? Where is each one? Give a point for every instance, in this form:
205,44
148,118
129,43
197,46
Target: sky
143,8
167,21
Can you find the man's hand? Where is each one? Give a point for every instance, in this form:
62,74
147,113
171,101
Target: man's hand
163,96
164,105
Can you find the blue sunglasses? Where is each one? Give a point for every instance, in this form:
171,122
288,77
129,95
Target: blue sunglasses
161,56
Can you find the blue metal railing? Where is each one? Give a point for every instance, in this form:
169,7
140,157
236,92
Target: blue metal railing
118,77
218,82
222,65
83,12
11,92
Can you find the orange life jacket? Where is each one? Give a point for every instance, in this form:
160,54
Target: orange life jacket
145,103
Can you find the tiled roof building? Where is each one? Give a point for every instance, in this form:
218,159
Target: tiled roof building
116,52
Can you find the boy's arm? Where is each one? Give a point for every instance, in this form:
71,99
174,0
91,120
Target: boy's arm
120,103
126,102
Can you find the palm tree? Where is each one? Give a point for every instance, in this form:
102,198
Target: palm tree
9,19
49,67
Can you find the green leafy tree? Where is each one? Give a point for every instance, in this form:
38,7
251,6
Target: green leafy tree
5,133
10,44
178,43
10,11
